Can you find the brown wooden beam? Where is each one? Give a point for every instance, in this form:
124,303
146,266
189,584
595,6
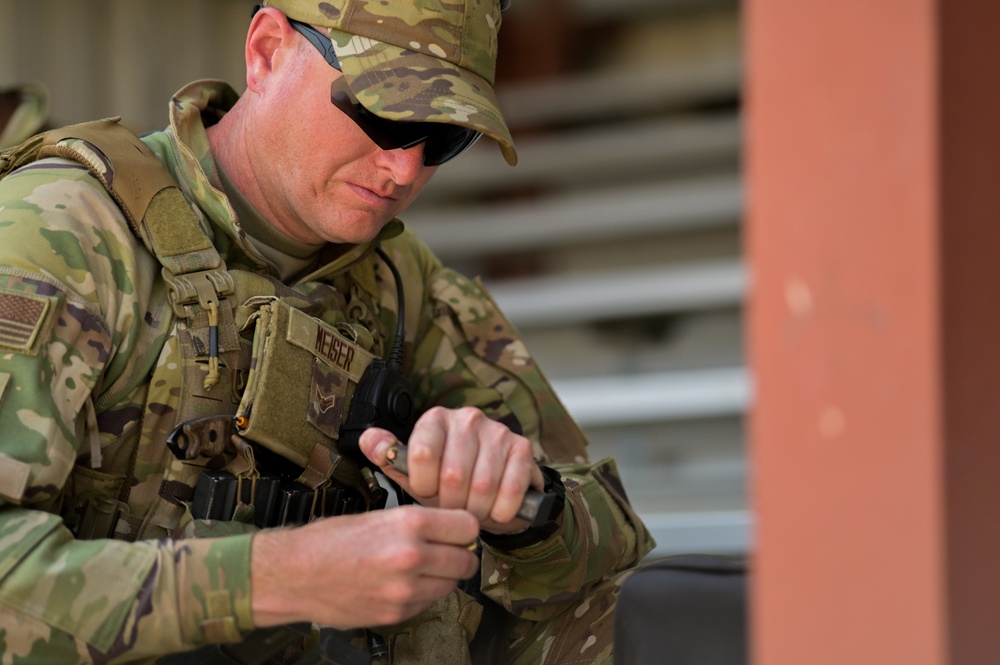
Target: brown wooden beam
874,240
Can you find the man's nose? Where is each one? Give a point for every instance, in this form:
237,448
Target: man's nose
406,164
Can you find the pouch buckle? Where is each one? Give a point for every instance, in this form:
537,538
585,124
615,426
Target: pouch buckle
204,287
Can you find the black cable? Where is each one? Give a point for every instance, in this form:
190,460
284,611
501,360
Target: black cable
395,359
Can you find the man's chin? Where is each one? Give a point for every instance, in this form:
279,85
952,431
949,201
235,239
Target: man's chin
355,234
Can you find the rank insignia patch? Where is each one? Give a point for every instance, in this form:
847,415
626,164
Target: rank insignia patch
21,317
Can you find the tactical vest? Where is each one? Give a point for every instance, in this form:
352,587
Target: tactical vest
272,376
267,369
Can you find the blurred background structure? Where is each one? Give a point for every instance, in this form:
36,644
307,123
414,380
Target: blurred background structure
867,134
614,245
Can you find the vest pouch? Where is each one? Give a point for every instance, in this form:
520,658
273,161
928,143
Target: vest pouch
303,374
439,634
92,498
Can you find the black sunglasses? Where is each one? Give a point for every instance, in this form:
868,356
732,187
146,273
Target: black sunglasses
442,141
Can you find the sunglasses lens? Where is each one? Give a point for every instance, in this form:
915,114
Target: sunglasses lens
442,141
447,142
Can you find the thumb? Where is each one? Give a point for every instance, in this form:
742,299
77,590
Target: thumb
375,443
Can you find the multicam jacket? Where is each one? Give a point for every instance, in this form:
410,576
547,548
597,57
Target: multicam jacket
90,385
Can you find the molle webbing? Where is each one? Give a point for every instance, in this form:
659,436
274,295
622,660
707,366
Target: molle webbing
156,210
144,189
124,153
203,296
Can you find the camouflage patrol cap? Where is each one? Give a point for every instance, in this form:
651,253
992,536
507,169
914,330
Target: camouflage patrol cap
416,60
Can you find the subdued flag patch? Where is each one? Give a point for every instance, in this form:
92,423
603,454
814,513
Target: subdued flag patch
21,317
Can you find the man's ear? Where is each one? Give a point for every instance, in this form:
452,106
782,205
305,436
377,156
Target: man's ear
268,35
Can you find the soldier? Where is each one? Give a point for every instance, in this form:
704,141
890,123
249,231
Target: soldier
23,111
221,321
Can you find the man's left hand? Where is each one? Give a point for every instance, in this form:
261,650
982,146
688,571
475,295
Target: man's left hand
459,458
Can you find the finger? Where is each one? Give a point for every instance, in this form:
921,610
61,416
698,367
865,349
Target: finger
452,563
424,452
487,476
426,541
375,443
520,472
446,536
537,477
463,446
443,526
427,588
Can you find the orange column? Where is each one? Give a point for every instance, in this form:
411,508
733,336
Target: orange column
873,166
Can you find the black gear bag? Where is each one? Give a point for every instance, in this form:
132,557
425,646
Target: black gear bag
688,609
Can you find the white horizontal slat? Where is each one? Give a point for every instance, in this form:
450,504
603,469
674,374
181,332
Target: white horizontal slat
659,397
601,95
703,532
569,299
580,216
597,154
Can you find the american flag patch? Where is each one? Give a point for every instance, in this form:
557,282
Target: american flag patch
21,317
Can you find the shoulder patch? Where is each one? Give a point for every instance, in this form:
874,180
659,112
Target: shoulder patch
21,318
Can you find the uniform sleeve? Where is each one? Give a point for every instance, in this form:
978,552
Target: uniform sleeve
72,284
468,353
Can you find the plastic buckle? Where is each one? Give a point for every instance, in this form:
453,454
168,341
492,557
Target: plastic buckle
203,287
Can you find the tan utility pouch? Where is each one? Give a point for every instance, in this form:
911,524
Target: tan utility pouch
439,634
302,377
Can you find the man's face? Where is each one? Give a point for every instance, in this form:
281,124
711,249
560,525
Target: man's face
321,178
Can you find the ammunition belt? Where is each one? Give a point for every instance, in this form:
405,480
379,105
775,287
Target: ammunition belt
275,501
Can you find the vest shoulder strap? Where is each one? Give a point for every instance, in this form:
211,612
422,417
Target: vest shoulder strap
145,191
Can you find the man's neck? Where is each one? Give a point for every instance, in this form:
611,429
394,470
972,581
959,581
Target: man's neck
226,149
231,154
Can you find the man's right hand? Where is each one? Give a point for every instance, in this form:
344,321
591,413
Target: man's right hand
373,569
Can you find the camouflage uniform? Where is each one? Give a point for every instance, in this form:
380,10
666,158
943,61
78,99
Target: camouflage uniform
83,310
91,382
